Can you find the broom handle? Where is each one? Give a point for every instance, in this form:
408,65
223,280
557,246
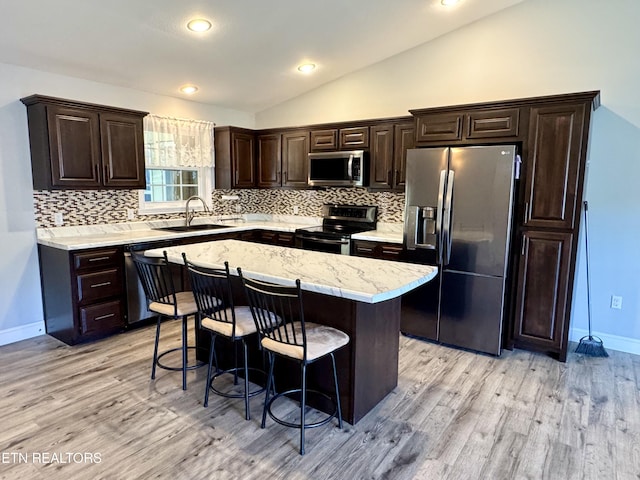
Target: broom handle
586,244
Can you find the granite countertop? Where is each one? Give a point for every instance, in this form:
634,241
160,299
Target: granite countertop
362,279
107,235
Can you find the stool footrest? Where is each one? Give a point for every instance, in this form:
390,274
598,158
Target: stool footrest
232,371
192,366
319,423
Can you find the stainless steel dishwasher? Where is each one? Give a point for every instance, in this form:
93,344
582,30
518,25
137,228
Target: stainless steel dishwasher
136,300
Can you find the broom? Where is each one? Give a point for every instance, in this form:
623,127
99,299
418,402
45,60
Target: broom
589,345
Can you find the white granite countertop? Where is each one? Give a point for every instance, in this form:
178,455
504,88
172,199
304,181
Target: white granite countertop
107,235
362,279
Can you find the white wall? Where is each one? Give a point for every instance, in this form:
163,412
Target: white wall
20,300
538,47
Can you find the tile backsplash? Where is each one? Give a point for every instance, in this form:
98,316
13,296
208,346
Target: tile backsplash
92,207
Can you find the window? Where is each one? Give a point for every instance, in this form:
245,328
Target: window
179,163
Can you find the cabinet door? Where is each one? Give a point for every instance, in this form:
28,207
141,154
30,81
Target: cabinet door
543,286
499,123
404,139
269,162
242,157
439,127
74,143
122,151
354,138
554,167
322,140
381,156
295,164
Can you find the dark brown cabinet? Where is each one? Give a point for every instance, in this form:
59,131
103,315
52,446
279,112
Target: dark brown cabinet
83,292
471,124
84,146
543,290
344,138
380,250
282,159
271,237
548,217
235,154
387,154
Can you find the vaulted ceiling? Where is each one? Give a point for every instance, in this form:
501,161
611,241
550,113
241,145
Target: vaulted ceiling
247,61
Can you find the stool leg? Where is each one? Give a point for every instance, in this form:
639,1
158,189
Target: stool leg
247,414
269,382
335,379
184,353
155,349
207,385
303,395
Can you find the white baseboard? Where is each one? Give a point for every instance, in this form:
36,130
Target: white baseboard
15,334
613,342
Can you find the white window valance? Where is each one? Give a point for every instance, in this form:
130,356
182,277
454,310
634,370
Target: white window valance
177,143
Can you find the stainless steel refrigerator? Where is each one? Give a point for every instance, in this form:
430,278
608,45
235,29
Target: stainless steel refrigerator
458,217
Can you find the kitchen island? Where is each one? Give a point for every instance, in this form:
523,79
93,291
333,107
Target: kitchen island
360,296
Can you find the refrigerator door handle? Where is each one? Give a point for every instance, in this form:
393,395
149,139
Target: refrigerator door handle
439,212
448,214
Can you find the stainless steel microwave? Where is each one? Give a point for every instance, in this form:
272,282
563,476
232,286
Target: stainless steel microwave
338,169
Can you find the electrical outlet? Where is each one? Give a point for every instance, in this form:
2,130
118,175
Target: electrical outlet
616,302
238,209
58,219
296,209
131,214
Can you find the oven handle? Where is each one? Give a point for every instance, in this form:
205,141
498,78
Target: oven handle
324,240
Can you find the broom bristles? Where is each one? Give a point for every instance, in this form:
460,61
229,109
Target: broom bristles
592,347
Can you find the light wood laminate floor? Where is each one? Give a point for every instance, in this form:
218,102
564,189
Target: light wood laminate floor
454,415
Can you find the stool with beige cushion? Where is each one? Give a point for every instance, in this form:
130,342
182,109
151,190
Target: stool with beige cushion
294,339
218,315
157,278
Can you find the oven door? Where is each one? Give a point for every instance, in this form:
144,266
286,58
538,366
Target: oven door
341,245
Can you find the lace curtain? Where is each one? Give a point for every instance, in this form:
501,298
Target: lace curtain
174,143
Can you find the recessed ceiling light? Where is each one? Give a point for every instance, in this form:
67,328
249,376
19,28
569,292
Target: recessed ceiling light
448,3
307,67
199,25
188,89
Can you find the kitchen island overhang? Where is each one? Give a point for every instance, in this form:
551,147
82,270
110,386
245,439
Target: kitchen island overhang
360,296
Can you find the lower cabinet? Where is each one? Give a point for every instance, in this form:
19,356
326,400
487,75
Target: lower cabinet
83,292
271,237
381,250
543,291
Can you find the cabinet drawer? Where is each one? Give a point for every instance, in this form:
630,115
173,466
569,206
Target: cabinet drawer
286,239
493,123
439,127
97,259
363,248
98,285
390,251
324,139
354,137
101,318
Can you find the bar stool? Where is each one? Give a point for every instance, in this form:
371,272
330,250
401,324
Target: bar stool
162,298
295,339
218,315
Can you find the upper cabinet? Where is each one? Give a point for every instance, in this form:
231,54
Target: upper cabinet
281,159
343,138
84,146
387,154
470,125
234,153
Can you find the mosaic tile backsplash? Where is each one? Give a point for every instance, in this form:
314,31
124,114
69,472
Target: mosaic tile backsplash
92,207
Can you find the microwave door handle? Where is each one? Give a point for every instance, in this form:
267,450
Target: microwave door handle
350,167
439,211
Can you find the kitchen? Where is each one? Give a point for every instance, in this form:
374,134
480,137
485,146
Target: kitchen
571,69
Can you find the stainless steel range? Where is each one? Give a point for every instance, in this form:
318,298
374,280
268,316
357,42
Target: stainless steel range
339,222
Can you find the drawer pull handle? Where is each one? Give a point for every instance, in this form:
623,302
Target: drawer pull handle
98,259
392,252
365,249
103,284
102,317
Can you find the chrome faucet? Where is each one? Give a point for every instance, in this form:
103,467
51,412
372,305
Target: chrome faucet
189,216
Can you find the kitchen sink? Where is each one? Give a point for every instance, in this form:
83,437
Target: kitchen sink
192,228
